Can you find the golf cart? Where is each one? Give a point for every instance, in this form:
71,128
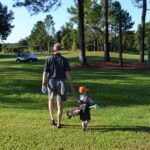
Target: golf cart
25,57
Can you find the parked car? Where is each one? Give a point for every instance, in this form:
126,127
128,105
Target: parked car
25,57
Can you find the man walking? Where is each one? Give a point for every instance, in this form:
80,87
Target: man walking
56,70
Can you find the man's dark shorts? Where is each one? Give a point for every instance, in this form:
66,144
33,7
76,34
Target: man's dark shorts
56,87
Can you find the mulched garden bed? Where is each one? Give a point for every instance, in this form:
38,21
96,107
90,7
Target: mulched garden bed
112,65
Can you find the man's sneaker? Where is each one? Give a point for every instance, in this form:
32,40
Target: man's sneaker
52,122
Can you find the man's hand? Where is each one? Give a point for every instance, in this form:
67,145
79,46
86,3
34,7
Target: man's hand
44,82
44,89
69,77
72,90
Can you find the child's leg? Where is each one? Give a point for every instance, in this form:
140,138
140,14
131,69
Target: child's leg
84,124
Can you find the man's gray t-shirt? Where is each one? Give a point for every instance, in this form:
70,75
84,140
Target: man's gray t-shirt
56,66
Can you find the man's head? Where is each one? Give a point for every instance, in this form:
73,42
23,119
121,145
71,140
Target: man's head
83,89
57,47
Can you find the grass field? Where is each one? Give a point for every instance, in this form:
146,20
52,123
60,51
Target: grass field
122,124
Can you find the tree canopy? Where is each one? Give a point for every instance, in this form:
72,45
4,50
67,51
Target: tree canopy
36,6
6,18
38,36
99,25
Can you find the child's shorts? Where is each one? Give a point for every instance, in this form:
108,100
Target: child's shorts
85,115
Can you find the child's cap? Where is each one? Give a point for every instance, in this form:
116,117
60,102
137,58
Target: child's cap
83,89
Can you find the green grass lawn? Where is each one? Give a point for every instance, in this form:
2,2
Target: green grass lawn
122,124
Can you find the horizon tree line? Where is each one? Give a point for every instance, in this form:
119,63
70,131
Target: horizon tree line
104,26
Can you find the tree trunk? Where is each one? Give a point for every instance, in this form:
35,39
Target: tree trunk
82,56
48,47
94,43
124,47
115,41
149,48
98,48
106,34
120,39
143,31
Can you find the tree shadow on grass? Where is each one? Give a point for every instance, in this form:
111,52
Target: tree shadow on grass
103,128
115,88
117,94
23,103
109,94
107,87
120,128
71,126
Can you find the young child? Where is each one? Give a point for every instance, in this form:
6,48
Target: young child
85,101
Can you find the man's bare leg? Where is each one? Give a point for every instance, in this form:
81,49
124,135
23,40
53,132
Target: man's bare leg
59,113
51,109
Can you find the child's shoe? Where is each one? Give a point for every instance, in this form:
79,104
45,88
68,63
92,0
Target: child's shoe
84,126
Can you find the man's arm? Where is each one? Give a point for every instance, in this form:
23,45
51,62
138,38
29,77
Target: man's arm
44,78
69,78
44,82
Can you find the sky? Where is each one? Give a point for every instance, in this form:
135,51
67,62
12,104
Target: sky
24,22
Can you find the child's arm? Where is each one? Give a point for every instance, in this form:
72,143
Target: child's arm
91,101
